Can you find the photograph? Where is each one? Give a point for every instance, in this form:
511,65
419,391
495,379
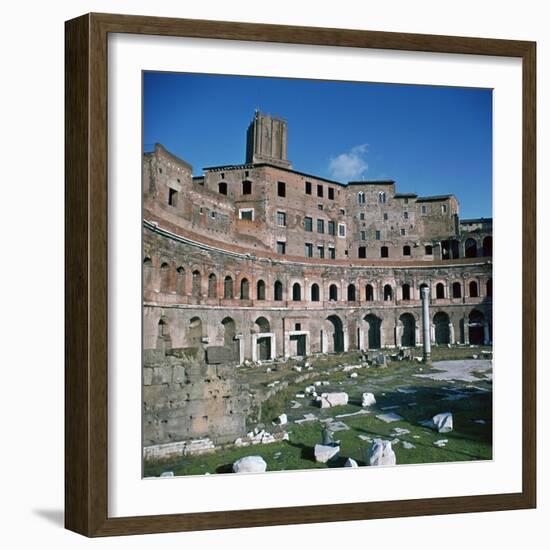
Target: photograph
317,274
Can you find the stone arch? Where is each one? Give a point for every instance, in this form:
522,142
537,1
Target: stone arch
388,293
374,324
352,293
296,292
245,289
315,292
262,324
333,293
164,277
229,332
338,334
196,283
408,330
278,291
439,291
147,272
470,248
194,332
473,289
260,290
212,285
369,293
228,287
180,280
441,328
476,320
406,291
457,290
263,343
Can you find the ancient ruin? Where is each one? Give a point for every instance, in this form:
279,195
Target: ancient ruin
256,261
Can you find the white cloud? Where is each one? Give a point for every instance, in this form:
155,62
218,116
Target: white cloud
349,166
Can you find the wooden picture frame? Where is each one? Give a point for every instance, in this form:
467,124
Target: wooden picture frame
86,282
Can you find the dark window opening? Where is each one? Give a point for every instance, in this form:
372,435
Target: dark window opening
278,291
428,250
281,247
362,252
406,289
247,187
406,250
330,193
222,188
369,293
319,190
281,189
384,252
314,292
172,197
333,293
457,290
296,292
308,188
439,291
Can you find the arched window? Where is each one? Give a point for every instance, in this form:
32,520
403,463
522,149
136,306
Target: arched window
384,252
361,197
164,277
180,280
244,289
439,291
369,293
388,293
196,284
457,290
406,250
314,292
382,197
489,288
147,272
222,188
406,291
260,290
488,246
278,291
351,293
470,248
362,252
333,293
212,285
247,187
296,292
228,288
474,293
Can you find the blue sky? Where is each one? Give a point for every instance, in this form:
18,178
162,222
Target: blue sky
430,140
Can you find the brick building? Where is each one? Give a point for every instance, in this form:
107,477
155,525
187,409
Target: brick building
258,260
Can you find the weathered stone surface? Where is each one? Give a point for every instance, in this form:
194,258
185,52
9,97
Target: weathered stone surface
249,464
389,417
368,399
323,453
216,355
381,453
443,422
281,419
327,400
167,474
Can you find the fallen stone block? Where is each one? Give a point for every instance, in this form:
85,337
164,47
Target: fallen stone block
323,453
249,464
443,422
281,420
389,417
327,400
367,399
350,463
380,453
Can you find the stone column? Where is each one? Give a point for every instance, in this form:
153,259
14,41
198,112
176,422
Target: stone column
346,340
486,339
427,346
254,348
240,339
451,334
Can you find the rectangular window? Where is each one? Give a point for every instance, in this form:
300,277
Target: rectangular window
444,208
385,216
309,250
320,226
341,229
281,247
172,197
321,251
212,214
428,250
362,216
377,235
281,189
331,253
342,211
403,232
297,326
406,215
331,228
281,219
423,209
246,214
308,188
308,224
330,193
319,190
319,207
363,235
